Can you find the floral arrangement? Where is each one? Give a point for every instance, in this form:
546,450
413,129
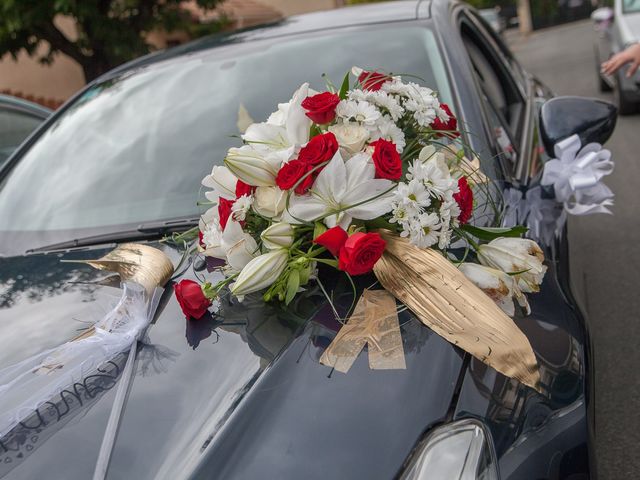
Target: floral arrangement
316,182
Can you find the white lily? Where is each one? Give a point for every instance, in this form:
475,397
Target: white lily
278,235
287,127
498,286
513,255
233,245
343,192
223,183
260,272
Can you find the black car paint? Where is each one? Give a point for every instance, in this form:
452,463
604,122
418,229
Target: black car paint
248,398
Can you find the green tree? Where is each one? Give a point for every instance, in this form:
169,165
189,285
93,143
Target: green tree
109,32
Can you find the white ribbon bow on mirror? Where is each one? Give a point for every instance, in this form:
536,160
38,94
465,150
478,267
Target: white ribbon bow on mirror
576,176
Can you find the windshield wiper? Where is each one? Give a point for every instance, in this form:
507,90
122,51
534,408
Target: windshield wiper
144,231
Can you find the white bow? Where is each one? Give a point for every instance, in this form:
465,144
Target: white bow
575,175
543,217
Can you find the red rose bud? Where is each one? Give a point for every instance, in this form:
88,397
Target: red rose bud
243,189
333,240
360,253
372,80
464,198
191,299
224,211
321,108
290,173
386,160
320,148
449,127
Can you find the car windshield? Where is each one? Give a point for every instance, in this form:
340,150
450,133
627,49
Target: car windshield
134,148
631,6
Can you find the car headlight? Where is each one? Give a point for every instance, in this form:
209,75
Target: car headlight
461,450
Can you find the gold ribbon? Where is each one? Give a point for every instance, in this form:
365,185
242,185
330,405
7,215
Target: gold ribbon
374,322
453,307
445,301
135,262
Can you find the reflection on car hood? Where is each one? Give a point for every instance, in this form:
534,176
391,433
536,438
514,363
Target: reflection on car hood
242,396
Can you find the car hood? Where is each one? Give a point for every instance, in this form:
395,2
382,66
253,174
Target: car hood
242,395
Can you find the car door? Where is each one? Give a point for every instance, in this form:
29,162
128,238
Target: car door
510,99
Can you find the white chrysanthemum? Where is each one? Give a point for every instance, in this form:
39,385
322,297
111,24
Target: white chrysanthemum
395,87
241,206
399,214
212,235
360,111
423,232
388,102
358,95
387,129
413,194
444,238
435,175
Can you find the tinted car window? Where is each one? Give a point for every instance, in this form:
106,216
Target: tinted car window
15,126
135,148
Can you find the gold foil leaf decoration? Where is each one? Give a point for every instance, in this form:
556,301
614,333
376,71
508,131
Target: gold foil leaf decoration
138,263
453,307
374,322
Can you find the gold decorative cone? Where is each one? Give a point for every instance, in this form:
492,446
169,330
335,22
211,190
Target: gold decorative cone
453,307
374,322
135,262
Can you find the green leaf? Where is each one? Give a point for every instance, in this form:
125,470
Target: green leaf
318,229
344,88
293,282
326,261
314,131
491,233
379,222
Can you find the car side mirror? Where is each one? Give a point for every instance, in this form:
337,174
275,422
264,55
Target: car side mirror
591,119
604,14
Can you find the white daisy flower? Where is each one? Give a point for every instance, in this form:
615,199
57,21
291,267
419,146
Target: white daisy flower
424,233
360,111
388,102
387,129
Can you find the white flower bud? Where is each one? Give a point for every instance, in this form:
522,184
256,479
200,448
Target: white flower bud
250,165
513,255
278,235
260,272
498,286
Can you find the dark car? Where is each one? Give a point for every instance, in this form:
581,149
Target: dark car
18,118
616,29
243,395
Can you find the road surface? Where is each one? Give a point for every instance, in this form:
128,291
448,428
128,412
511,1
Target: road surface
605,251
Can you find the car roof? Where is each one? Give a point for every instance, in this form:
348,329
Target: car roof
356,15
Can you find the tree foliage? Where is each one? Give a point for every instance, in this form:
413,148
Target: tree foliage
109,32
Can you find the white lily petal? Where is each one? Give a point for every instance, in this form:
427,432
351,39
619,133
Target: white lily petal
306,208
331,183
360,168
222,181
268,135
297,123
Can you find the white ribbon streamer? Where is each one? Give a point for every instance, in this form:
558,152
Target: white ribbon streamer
576,176
544,217
26,386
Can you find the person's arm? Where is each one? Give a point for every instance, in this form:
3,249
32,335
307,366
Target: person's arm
629,55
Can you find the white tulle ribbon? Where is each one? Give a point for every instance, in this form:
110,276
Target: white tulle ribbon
576,176
26,386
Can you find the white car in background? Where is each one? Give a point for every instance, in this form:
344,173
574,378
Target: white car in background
616,29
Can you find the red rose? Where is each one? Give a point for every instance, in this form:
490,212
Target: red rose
191,299
464,198
333,240
224,210
321,108
360,253
291,172
243,189
449,127
320,148
386,160
372,80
